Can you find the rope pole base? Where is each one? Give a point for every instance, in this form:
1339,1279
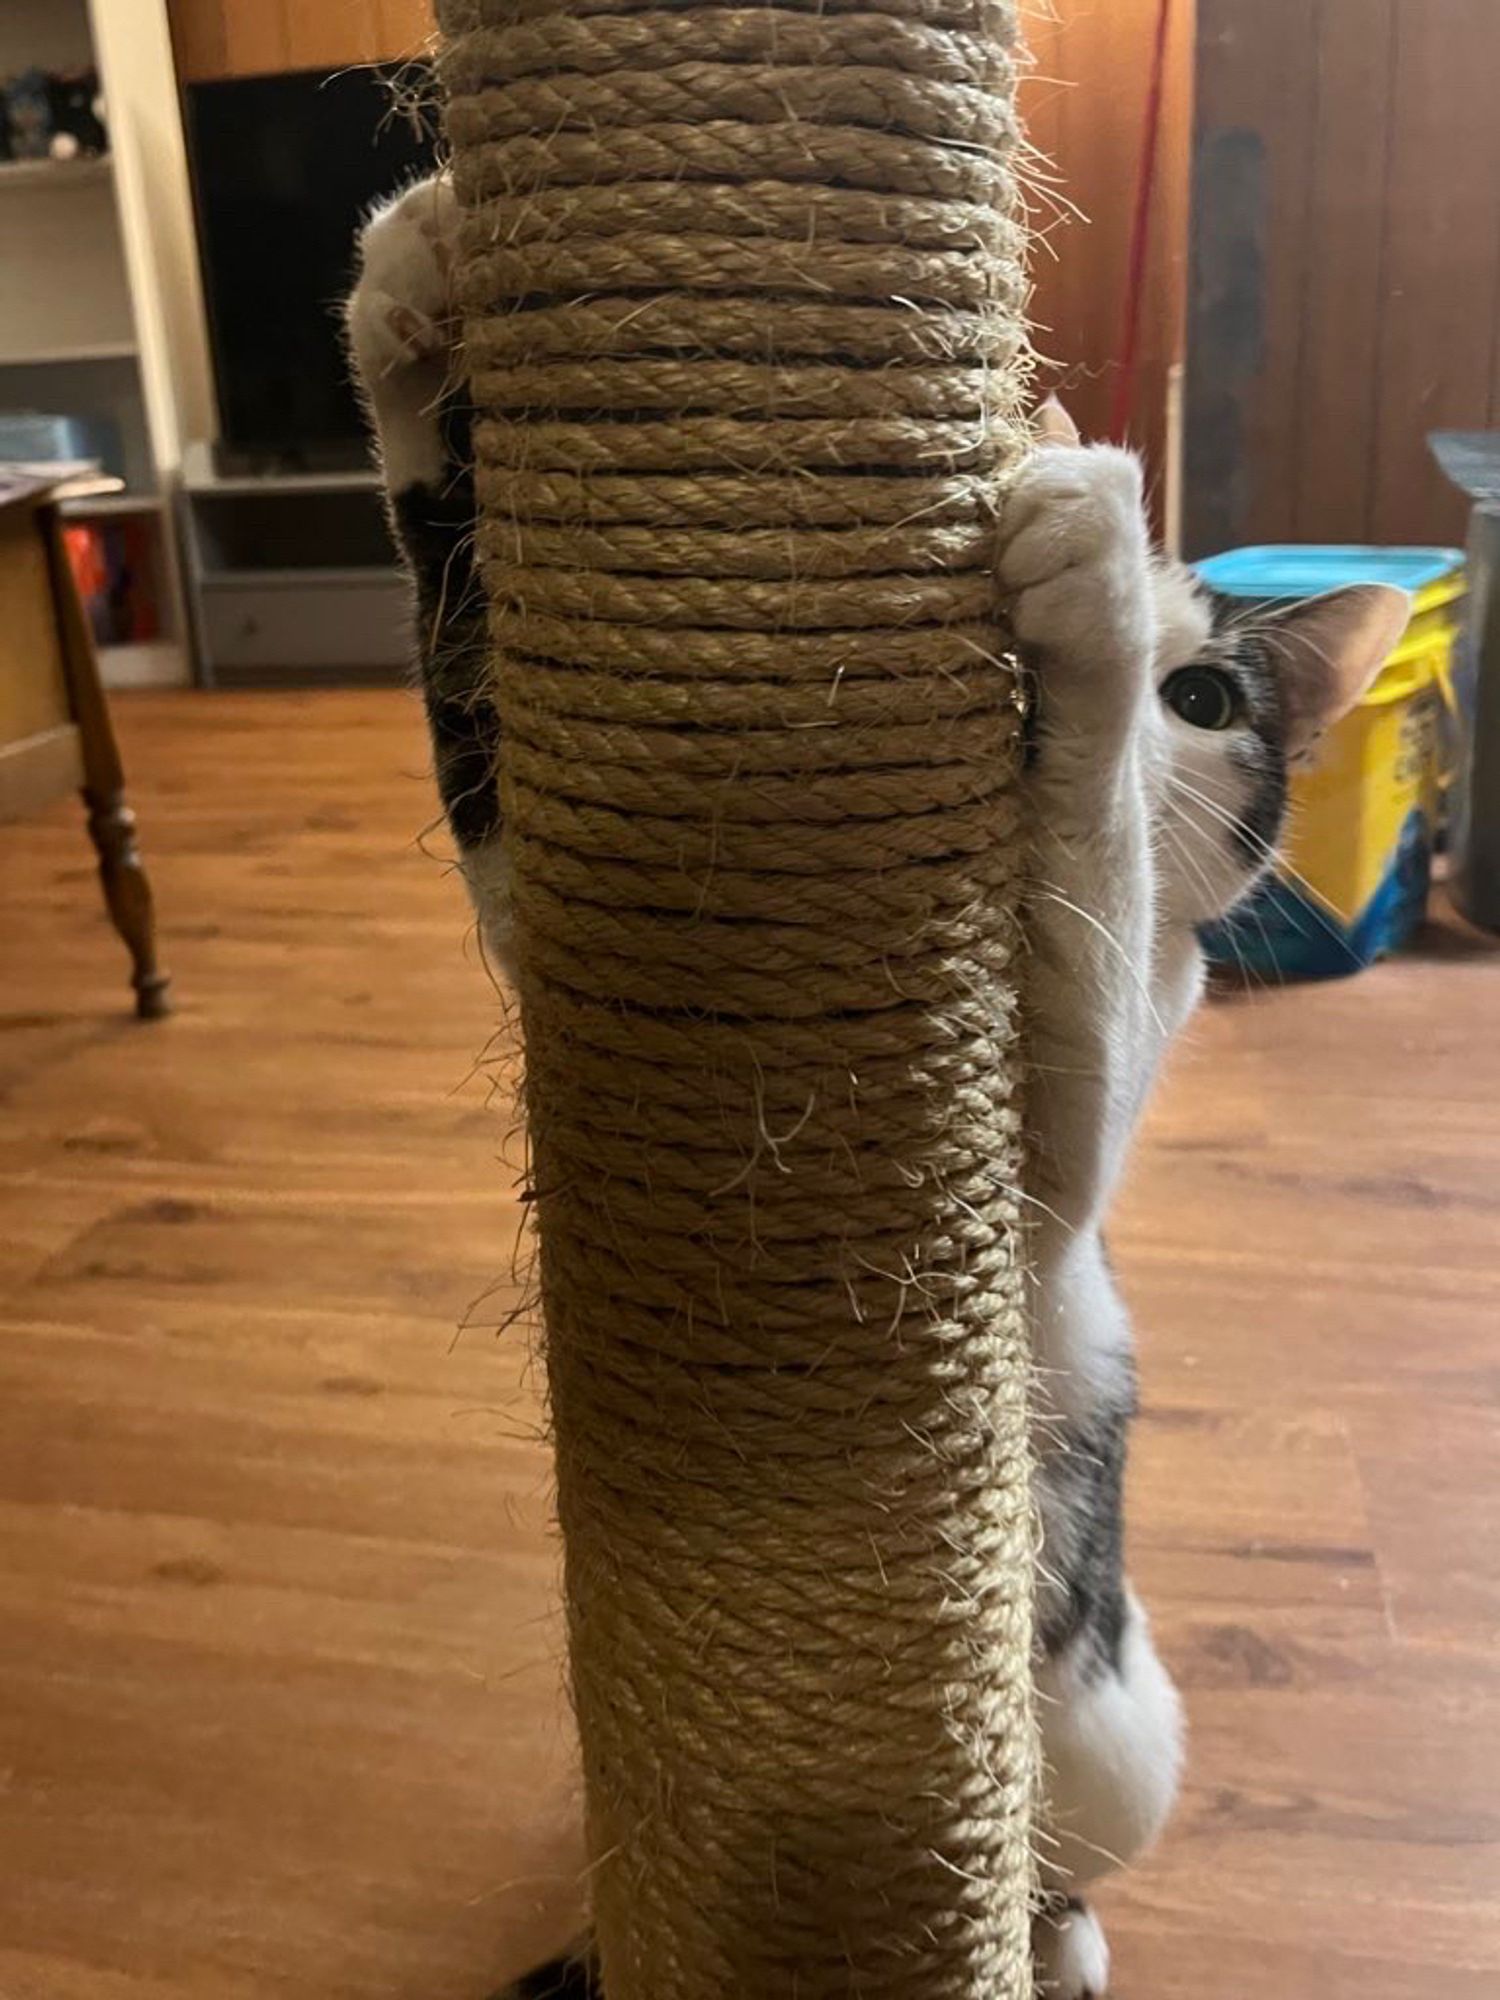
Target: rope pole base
743,289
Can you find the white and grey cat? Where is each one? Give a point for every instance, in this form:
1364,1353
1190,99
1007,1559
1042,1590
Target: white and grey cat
1165,730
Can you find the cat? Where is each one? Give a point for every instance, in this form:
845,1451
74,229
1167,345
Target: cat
403,337
1168,723
1165,725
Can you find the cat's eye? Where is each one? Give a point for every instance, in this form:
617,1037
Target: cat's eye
1205,697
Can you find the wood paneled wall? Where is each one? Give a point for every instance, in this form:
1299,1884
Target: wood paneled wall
215,38
1084,102
1085,107
1345,290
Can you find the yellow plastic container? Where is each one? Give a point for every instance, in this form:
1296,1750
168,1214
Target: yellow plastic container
1358,850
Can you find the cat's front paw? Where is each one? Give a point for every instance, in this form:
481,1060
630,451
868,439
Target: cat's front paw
401,310
1072,1956
1075,558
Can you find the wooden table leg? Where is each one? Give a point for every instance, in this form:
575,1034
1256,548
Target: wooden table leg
127,891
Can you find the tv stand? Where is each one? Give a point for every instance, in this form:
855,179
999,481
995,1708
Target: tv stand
291,579
235,462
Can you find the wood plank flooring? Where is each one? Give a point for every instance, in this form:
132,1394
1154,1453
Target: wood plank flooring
279,1710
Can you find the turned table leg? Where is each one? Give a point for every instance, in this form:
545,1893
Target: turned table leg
127,891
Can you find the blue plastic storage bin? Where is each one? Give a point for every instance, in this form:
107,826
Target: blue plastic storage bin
1359,842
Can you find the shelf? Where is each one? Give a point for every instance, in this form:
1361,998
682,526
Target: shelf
249,486
55,173
347,576
102,350
202,478
143,663
103,506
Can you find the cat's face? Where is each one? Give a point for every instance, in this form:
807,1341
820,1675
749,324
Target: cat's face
1244,695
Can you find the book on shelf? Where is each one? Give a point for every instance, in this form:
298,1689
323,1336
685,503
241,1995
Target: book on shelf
112,562
59,479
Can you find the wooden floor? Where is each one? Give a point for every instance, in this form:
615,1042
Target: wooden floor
278,1649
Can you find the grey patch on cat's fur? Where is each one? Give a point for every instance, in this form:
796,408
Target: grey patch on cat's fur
1238,646
1082,1603
1244,645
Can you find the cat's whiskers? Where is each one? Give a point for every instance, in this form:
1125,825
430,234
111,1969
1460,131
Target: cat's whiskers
1274,857
1230,819
1242,620
1174,833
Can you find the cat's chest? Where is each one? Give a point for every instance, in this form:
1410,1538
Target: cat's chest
1175,990
1177,978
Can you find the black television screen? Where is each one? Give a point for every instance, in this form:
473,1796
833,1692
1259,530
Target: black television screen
284,168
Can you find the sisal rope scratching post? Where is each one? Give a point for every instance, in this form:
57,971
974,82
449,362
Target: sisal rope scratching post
742,291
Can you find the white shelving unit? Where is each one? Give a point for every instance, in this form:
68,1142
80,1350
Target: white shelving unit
84,350
53,173
110,506
100,312
290,577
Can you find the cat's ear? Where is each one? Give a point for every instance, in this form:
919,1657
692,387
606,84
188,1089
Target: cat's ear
1328,650
1054,425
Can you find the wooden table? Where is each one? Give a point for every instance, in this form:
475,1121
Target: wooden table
55,728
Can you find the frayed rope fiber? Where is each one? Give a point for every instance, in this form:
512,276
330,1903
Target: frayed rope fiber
743,291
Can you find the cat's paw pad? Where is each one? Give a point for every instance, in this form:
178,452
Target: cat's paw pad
1068,506
1074,556
391,334
1072,1956
401,311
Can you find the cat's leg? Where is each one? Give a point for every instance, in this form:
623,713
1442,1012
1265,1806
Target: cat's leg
403,333
402,329
1070,1955
1110,1718
1075,560
1112,1738
1112,1743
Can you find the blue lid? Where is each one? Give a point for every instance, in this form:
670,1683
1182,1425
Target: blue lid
1292,569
